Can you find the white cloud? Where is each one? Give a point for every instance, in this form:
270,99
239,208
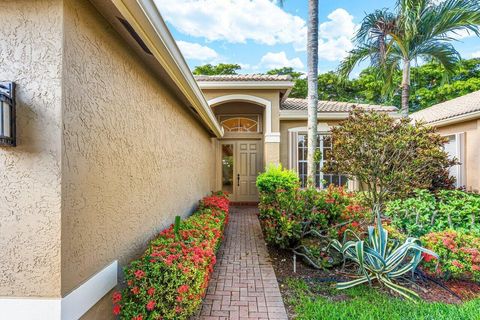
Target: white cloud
273,60
335,35
235,21
195,51
475,54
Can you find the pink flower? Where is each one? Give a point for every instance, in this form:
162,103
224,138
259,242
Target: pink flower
183,288
151,291
150,305
117,296
116,309
139,274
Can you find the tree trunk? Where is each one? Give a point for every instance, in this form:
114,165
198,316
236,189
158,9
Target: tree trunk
312,65
405,87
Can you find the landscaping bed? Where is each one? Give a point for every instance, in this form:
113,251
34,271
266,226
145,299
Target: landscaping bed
171,278
307,222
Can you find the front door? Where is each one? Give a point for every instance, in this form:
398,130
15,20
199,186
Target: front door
241,163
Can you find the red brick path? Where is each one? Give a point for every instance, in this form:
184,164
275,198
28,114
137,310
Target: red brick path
243,284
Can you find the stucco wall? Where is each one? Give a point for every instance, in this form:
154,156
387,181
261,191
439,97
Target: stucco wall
472,150
30,55
133,156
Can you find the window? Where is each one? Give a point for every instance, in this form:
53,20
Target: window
243,123
324,144
454,148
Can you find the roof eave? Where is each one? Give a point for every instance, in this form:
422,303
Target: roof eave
282,85
453,120
302,115
148,23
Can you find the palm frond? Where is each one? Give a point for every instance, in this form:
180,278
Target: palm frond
440,51
354,57
447,18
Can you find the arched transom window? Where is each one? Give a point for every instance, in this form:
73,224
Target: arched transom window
240,123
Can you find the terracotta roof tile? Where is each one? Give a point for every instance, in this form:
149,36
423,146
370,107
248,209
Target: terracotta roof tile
332,106
463,105
245,77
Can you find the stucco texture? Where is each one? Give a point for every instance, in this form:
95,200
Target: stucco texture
133,156
472,150
31,55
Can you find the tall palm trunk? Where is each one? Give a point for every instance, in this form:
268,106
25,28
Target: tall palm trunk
312,65
405,87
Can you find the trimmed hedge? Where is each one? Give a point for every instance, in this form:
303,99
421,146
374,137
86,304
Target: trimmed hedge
171,278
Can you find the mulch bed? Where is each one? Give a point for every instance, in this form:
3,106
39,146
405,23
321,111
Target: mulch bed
454,291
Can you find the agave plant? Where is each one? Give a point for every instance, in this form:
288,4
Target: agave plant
381,259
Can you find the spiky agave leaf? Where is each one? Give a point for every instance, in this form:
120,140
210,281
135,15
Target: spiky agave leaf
377,261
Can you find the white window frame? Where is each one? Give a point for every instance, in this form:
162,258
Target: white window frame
293,155
460,155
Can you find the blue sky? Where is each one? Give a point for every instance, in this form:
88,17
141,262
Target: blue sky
259,35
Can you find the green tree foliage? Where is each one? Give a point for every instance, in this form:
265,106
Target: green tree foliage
219,69
299,90
429,85
389,157
415,29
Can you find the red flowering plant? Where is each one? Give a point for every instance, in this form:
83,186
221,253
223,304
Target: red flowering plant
170,279
459,254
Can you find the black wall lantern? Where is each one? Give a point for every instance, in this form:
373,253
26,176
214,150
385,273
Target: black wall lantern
7,115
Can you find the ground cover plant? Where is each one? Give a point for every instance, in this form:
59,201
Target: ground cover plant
170,279
317,300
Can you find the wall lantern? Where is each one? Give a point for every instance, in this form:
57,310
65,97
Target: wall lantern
7,115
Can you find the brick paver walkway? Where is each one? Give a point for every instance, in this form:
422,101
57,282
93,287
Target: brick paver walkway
243,285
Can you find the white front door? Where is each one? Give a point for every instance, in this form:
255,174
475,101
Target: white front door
241,164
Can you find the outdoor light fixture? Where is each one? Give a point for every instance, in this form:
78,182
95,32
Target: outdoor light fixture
7,115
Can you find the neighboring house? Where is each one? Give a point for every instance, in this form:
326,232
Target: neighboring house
114,139
459,120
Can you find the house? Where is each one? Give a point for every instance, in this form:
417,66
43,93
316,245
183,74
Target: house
263,125
459,120
114,138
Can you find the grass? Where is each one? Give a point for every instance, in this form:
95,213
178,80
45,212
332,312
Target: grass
322,301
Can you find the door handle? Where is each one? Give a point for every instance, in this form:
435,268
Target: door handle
238,180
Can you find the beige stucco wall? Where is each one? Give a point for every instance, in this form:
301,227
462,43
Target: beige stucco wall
31,55
133,157
106,155
472,150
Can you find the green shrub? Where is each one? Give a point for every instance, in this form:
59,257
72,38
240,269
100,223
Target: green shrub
170,279
276,178
289,215
459,254
389,157
426,212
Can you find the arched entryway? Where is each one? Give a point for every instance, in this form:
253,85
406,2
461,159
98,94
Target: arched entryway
246,121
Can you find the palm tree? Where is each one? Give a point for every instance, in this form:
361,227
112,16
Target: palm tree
418,29
312,76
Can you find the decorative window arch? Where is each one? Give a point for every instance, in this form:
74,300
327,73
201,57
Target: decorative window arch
240,123
269,135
